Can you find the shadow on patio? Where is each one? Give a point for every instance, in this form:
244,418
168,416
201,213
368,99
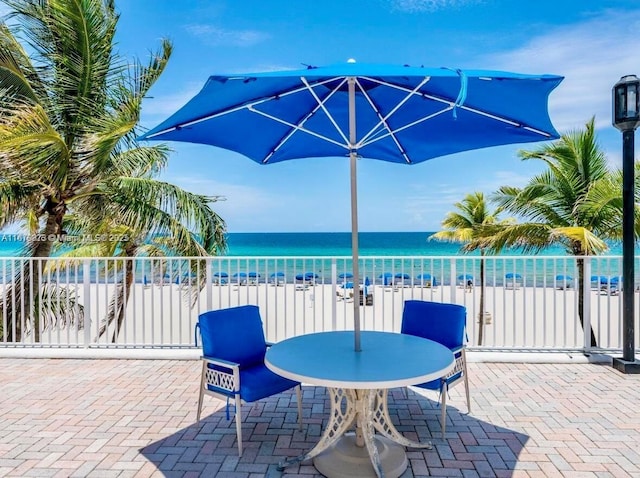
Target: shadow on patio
270,433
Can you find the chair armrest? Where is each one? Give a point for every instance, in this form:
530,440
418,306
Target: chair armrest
233,366
269,344
458,349
227,382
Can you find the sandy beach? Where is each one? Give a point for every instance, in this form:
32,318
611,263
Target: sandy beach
522,318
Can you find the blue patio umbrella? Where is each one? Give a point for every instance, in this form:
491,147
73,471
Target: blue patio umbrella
512,275
345,275
277,275
465,277
220,274
400,114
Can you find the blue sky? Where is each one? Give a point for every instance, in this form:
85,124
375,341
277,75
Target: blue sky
590,42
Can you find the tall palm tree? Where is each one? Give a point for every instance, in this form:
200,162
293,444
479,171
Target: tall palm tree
571,204
69,106
473,224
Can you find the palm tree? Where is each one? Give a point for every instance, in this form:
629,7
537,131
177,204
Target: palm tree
572,204
68,112
472,224
141,216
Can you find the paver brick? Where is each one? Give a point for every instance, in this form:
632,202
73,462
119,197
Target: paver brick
119,418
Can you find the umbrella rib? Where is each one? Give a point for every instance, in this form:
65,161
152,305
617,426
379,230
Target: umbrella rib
383,120
302,121
321,104
298,128
233,109
464,107
409,125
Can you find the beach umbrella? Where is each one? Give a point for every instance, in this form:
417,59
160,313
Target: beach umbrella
465,277
386,277
512,275
345,275
400,114
307,276
426,278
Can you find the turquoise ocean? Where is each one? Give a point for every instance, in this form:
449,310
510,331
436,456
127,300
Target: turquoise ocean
380,245
329,244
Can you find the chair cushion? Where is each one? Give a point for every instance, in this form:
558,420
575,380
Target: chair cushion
258,382
233,334
440,322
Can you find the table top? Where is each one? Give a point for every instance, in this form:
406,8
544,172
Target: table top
386,360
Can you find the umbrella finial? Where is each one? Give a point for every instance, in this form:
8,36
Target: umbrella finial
351,60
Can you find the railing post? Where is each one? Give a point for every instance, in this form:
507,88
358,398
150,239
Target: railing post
86,282
586,303
334,295
209,284
452,279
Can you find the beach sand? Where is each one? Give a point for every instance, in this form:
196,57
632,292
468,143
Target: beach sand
522,318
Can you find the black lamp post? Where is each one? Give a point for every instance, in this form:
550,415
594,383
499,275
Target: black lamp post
626,117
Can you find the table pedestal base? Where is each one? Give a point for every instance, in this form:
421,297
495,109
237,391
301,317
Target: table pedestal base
344,459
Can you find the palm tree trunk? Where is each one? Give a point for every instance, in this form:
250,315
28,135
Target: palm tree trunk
481,313
580,264
118,305
124,298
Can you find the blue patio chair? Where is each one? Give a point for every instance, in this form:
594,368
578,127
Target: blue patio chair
445,324
233,350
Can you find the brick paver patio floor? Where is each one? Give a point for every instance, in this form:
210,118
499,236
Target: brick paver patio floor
118,418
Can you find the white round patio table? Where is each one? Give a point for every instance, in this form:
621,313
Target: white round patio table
357,383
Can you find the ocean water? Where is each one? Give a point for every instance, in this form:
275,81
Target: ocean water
328,244
394,252
339,244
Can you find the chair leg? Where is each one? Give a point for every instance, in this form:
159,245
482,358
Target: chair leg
443,404
239,423
299,397
202,381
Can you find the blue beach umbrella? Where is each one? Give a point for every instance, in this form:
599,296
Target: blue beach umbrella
422,278
345,275
399,114
387,278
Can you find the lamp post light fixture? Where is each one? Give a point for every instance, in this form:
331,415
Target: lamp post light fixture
626,118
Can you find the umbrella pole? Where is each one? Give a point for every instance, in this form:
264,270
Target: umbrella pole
353,156
354,252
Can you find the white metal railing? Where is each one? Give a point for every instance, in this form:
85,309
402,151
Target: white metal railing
530,303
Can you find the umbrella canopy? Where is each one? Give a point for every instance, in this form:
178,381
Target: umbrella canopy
399,114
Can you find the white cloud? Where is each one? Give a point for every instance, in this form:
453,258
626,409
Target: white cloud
591,55
415,6
214,35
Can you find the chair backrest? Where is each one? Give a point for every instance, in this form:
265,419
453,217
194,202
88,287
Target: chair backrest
442,323
233,334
